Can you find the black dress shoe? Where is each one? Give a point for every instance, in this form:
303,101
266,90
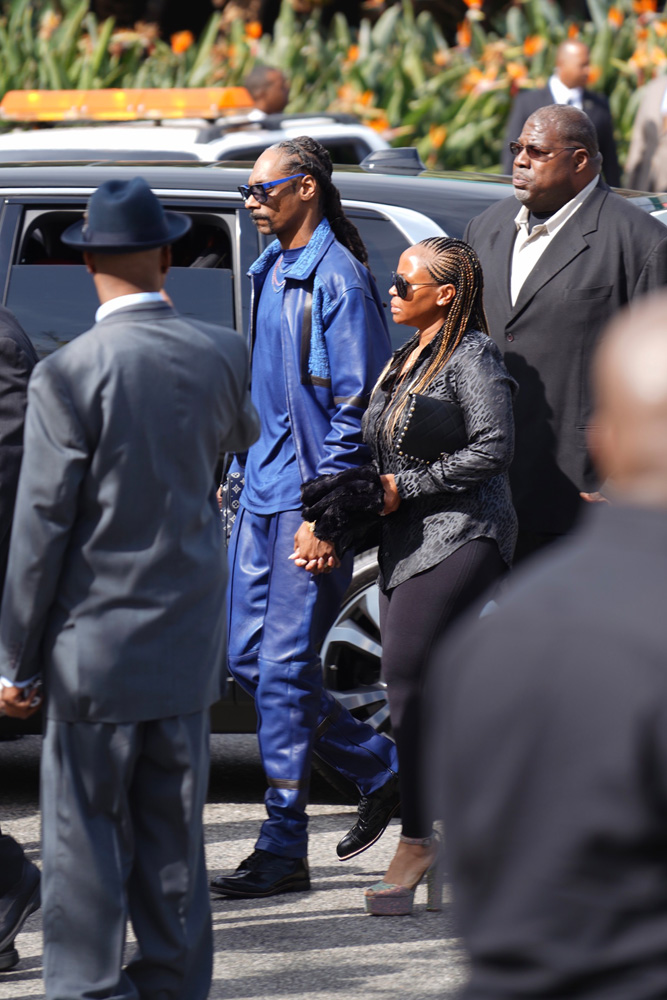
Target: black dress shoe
8,958
17,904
375,811
264,874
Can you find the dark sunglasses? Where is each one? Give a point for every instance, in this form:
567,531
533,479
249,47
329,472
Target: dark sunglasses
260,192
535,153
403,286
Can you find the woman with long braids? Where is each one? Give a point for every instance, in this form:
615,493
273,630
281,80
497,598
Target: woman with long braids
449,528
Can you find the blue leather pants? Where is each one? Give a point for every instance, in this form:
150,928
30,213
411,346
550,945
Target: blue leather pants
278,616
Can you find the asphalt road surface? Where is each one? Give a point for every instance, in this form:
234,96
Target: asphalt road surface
317,945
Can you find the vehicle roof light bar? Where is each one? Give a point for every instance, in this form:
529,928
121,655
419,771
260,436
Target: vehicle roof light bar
122,104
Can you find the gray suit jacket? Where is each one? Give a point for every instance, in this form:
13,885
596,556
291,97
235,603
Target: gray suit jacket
117,565
646,166
609,253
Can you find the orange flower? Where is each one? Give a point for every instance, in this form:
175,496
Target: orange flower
471,80
181,42
379,124
615,17
660,28
475,4
644,6
573,31
441,57
532,45
463,35
642,34
352,54
658,57
437,134
639,58
253,29
516,71
594,75
48,24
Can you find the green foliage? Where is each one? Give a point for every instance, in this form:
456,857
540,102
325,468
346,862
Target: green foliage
398,74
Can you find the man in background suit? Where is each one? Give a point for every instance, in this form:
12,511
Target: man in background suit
552,723
567,85
646,165
116,592
19,877
556,268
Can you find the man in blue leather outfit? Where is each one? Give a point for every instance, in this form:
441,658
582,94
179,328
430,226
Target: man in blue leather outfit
319,340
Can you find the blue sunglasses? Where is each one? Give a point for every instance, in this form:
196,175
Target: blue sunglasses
260,192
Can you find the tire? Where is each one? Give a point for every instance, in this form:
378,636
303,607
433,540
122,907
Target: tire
351,652
351,655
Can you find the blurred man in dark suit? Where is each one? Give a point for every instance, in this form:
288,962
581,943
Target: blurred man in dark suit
19,878
552,715
567,85
116,593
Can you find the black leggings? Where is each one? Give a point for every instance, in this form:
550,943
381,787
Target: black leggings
413,616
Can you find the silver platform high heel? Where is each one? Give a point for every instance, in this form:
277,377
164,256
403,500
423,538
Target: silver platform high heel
388,899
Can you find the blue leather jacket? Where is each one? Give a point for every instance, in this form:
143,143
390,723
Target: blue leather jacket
330,373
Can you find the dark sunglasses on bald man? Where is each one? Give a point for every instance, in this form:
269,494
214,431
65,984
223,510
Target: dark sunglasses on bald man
403,286
535,153
260,192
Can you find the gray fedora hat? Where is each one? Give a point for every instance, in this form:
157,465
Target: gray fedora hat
124,217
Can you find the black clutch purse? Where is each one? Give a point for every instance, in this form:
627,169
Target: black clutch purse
431,428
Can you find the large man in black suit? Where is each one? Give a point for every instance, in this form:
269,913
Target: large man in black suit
558,263
552,715
567,85
19,877
116,592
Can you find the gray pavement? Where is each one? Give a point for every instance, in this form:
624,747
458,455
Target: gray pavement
318,945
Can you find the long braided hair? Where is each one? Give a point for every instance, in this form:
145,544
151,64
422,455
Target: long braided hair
306,155
449,262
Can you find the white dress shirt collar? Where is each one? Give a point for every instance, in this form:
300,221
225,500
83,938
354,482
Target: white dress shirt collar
565,95
122,301
529,246
560,217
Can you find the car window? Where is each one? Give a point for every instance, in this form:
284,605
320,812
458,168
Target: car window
54,298
342,152
385,244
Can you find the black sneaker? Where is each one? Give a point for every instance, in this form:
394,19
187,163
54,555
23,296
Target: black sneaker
374,814
8,958
264,874
17,904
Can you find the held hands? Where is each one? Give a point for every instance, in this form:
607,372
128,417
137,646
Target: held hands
20,703
312,554
392,499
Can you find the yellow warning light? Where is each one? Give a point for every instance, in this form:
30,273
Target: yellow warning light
123,105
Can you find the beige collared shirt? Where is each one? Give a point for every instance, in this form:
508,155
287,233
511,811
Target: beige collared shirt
529,247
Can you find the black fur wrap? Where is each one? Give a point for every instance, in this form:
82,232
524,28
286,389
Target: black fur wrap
344,505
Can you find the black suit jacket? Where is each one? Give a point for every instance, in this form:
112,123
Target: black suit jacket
552,750
17,360
596,107
607,254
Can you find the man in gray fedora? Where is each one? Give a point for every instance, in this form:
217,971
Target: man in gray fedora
115,594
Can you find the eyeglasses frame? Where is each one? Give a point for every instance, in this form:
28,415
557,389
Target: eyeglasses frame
399,282
543,155
245,190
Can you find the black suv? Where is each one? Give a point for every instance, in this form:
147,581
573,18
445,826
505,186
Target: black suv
46,285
